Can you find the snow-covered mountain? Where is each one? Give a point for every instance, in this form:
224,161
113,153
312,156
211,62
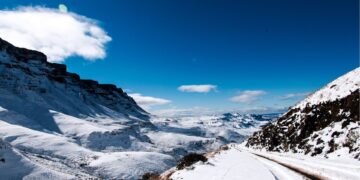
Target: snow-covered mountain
326,123
55,125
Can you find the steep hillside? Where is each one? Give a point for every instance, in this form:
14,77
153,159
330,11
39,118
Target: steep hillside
325,123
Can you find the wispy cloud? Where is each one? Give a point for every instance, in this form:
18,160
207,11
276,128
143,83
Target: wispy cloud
148,101
56,33
294,95
248,96
204,88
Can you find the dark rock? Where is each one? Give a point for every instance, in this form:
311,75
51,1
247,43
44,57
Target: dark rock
190,159
74,76
88,83
59,69
108,87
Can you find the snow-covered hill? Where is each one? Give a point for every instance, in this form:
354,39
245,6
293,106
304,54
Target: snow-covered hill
326,123
54,125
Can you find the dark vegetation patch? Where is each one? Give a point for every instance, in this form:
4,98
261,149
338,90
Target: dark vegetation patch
150,176
333,146
190,159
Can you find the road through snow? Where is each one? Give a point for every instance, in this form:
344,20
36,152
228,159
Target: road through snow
241,163
229,165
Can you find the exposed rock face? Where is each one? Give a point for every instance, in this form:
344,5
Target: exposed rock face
37,82
325,122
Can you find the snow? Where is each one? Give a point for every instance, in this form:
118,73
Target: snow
280,172
172,140
16,166
130,165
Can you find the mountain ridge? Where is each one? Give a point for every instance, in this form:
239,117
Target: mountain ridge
35,63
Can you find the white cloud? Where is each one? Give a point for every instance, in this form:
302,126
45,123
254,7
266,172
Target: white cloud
197,88
294,95
56,33
148,101
248,96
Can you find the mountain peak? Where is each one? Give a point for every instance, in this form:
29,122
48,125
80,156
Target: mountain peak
325,123
337,89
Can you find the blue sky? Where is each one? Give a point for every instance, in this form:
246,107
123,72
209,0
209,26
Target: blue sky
258,48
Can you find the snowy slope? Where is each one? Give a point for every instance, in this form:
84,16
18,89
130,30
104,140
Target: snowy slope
64,157
326,123
14,165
